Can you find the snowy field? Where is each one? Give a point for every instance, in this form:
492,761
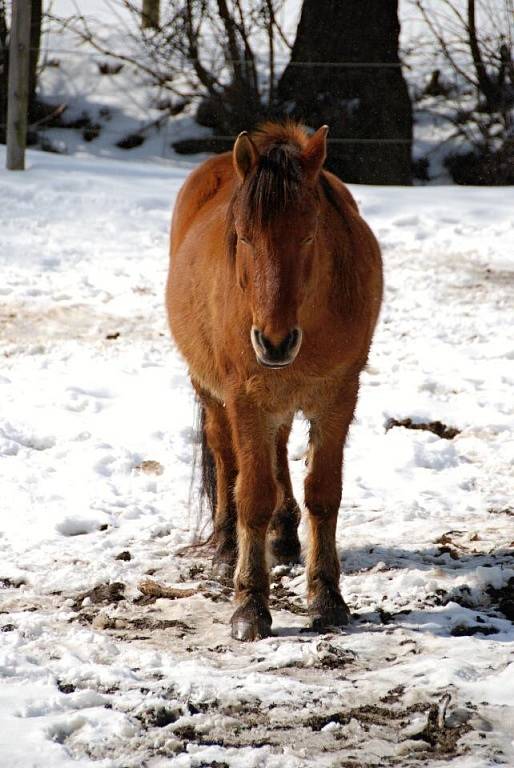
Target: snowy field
96,446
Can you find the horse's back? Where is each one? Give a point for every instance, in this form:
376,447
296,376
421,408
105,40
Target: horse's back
209,184
361,260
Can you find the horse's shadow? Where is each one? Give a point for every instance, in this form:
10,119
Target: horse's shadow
476,607
449,557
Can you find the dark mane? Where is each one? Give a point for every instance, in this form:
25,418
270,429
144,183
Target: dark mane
276,182
274,185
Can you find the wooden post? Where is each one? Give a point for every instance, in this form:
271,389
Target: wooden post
18,94
150,15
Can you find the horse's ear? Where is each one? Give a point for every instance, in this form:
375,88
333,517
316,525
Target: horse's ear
315,153
245,155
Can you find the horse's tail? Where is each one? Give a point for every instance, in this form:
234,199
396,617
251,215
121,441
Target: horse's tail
208,482
203,485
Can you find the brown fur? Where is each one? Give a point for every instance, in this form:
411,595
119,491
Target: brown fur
266,238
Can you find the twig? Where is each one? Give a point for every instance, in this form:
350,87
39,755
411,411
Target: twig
154,589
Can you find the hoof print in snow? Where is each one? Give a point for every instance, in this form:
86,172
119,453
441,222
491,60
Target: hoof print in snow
436,427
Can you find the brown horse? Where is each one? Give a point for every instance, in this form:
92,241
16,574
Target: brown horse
273,294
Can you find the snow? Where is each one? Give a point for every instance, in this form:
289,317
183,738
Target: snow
91,386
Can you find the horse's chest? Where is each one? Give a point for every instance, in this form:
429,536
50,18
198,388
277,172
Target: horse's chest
288,393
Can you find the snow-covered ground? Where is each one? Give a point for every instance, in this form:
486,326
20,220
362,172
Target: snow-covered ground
91,388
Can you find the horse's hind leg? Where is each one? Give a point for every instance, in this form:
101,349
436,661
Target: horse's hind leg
283,530
219,441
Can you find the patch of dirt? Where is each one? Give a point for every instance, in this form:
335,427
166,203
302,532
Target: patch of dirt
65,687
125,555
9,583
149,467
283,599
503,511
437,427
369,714
159,717
103,621
442,740
394,695
103,594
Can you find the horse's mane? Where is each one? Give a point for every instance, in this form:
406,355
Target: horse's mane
276,182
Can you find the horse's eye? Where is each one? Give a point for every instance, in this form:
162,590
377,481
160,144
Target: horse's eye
245,240
308,240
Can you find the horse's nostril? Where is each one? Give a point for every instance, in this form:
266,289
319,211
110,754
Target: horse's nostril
277,353
260,340
291,339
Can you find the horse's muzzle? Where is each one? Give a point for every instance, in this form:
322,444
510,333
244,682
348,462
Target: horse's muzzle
276,355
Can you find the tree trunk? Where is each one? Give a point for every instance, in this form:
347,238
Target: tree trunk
4,70
36,13
150,14
353,82
18,87
491,90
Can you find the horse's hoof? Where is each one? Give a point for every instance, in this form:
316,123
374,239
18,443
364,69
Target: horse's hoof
328,610
248,631
323,622
223,571
251,621
285,552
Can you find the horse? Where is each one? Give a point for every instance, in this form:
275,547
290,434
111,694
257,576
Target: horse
273,294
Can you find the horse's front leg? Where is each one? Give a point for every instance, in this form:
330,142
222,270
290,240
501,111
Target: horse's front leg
323,487
257,497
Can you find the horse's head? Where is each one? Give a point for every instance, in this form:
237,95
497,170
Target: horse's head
276,211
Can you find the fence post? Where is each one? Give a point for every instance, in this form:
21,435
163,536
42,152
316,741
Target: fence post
18,89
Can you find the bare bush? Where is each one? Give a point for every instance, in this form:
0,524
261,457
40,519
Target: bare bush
469,43
204,48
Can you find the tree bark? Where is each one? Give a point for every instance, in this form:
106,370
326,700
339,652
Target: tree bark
4,70
490,89
18,90
150,14
36,14
353,82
